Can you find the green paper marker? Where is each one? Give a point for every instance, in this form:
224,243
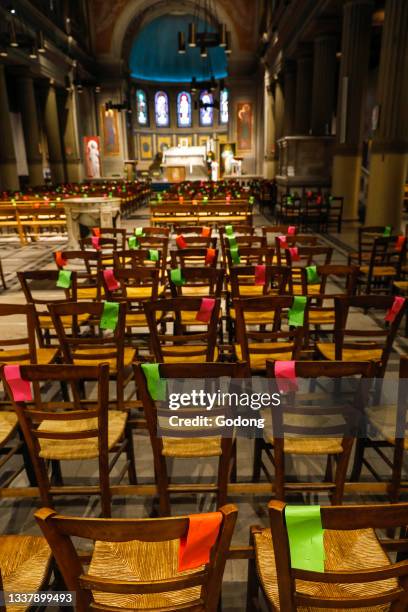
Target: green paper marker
312,276
232,241
139,232
387,231
64,279
228,230
133,243
155,384
109,319
177,278
236,259
305,535
153,255
296,314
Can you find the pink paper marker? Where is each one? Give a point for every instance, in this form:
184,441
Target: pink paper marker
292,230
206,308
285,373
283,243
20,389
110,280
395,309
95,242
181,243
294,253
260,275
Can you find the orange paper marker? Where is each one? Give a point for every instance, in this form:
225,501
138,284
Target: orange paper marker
206,232
209,258
196,545
60,260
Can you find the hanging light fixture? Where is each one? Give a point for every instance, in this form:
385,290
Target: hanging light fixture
205,9
40,42
192,35
181,43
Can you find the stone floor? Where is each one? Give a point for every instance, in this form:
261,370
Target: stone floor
16,515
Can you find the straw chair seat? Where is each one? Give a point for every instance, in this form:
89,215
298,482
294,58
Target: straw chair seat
310,446
195,291
24,565
86,448
379,270
185,355
140,561
192,447
188,317
46,320
401,285
87,293
258,360
128,357
384,420
321,317
256,318
44,356
328,350
249,290
141,292
8,425
311,289
344,550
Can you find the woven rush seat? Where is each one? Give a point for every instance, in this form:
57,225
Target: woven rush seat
384,420
185,355
44,356
311,289
321,317
401,285
256,318
249,290
24,565
128,357
328,350
87,293
142,292
8,425
344,550
379,270
86,448
46,320
140,561
258,360
192,447
195,291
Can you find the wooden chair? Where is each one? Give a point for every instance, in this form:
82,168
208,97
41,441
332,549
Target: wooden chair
358,573
315,213
242,241
384,265
274,230
33,284
283,243
79,429
144,555
252,256
25,567
242,281
106,249
94,348
2,277
196,230
197,257
257,346
206,442
87,265
194,347
198,242
116,233
335,213
366,342
157,243
366,237
198,282
314,424
389,422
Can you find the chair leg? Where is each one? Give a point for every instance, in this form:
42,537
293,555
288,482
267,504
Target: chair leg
163,486
252,602
258,448
130,454
223,474
394,489
358,459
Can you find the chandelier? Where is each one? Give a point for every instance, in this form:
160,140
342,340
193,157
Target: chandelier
206,38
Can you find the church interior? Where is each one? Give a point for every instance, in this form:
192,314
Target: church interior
203,305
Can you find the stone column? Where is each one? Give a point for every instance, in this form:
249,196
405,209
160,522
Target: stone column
279,114
355,52
269,170
32,137
53,131
290,98
71,140
303,93
324,76
8,165
389,151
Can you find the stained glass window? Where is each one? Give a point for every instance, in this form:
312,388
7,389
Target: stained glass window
184,109
141,107
224,106
206,108
161,108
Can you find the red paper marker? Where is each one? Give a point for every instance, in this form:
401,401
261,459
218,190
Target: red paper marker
196,545
285,373
292,230
20,389
181,243
206,308
283,243
400,243
110,280
395,309
60,260
96,231
210,256
294,253
95,243
260,275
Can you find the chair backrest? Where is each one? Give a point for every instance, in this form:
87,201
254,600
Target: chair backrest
86,264
117,233
196,242
387,251
308,256
60,532
136,258
366,237
179,346
341,518
251,256
105,245
332,279
372,336
18,347
197,230
275,279
129,281
156,231
158,243
32,281
199,279
38,419
193,257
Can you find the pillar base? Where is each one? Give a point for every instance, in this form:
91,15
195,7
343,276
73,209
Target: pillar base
346,183
269,169
386,189
9,180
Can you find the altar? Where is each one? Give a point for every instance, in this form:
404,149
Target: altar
91,212
185,163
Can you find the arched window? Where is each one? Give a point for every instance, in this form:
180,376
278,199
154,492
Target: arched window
161,109
206,108
184,109
142,112
224,106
